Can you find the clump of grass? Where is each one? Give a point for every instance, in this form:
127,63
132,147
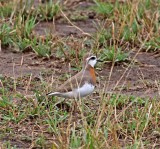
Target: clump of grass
75,140
48,11
103,35
113,54
27,9
24,27
153,44
42,47
130,32
21,37
103,8
40,141
6,9
24,44
6,34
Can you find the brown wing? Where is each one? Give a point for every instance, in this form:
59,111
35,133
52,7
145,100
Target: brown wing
74,82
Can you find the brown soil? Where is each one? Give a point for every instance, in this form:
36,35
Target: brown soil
65,29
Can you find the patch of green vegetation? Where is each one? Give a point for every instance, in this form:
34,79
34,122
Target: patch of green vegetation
103,35
42,48
153,44
103,8
75,141
48,11
129,32
20,35
6,34
40,141
113,54
24,27
58,118
24,44
6,9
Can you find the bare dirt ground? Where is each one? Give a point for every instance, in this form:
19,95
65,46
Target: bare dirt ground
64,29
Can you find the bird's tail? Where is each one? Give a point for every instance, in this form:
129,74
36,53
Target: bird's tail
53,94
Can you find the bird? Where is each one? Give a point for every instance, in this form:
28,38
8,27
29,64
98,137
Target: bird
81,84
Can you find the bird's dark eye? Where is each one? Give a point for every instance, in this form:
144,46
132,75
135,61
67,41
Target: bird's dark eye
93,58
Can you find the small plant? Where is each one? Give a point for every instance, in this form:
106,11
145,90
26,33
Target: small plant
128,25
42,47
26,40
112,54
6,9
39,46
103,8
48,11
24,44
89,138
128,33
75,140
153,44
6,34
5,102
57,118
143,6
103,36
24,27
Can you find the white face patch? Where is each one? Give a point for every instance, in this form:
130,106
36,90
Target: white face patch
92,60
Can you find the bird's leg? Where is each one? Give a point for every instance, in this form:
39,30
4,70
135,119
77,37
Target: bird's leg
74,106
61,104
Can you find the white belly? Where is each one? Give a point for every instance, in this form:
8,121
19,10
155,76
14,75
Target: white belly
85,90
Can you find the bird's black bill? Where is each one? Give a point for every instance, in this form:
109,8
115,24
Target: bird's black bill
48,93
99,60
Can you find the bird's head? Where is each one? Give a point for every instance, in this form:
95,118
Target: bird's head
90,60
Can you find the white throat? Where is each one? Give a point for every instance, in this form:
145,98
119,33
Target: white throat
92,62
